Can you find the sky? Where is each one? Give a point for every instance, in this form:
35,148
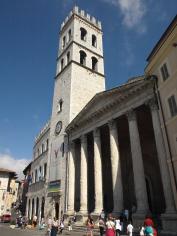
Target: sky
29,36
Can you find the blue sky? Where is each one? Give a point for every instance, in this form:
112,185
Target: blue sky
29,34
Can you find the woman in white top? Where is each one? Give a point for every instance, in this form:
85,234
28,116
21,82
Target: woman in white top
110,226
118,226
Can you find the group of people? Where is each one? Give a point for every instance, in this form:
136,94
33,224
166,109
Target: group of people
54,226
111,226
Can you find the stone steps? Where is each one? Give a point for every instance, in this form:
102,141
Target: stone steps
82,229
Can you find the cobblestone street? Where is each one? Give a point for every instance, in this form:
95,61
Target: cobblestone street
5,230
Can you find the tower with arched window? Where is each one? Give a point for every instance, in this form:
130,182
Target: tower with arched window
79,76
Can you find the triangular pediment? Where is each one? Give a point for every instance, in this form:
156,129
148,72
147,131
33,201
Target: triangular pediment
101,101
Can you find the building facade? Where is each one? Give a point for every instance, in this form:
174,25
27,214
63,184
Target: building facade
8,190
105,149
162,62
117,157
79,76
36,181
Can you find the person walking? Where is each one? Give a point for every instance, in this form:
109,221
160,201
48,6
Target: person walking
102,214
49,225
110,226
148,222
34,221
54,228
70,224
101,226
142,231
89,225
130,229
61,227
118,226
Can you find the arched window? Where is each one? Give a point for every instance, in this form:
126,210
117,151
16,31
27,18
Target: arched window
47,144
43,148
94,64
83,58
83,34
64,41
94,40
68,57
69,35
62,63
59,105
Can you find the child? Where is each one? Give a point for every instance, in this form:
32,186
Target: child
142,231
130,229
69,225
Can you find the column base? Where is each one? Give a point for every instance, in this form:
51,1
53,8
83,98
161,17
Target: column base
116,213
81,218
169,223
138,219
70,213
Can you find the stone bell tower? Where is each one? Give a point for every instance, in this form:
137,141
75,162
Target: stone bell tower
79,76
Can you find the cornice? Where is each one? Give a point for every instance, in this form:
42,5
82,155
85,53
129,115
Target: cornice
77,63
107,108
74,15
80,45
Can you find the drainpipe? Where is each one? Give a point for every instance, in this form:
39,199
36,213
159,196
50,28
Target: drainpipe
157,94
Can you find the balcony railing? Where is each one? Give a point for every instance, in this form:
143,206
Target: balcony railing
36,186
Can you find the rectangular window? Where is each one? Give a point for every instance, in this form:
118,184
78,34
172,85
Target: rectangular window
172,105
45,170
164,72
64,41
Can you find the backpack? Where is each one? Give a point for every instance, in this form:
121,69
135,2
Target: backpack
148,230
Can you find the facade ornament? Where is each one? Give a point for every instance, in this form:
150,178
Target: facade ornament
71,145
131,114
83,138
96,133
112,124
152,103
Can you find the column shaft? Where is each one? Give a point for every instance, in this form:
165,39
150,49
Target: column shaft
71,178
160,146
116,168
30,210
137,161
98,172
83,175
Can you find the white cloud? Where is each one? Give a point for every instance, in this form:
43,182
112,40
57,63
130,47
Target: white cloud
9,162
132,11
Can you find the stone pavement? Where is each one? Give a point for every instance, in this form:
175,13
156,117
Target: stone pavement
5,230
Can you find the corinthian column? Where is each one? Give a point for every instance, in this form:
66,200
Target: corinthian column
30,209
116,168
137,160
71,178
165,175
83,175
98,172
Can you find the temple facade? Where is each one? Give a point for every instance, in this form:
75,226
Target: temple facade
101,149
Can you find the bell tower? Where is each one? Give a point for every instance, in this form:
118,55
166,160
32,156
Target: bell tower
79,76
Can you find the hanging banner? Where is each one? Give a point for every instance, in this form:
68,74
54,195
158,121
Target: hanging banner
54,188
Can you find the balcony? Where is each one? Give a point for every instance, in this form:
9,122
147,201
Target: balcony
36,186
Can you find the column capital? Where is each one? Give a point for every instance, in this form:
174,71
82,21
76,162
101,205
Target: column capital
112,124
152,103
96,133
131,114
83,138
71,145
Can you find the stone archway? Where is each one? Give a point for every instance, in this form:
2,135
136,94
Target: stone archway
57,210
42,207
32,213
37,207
